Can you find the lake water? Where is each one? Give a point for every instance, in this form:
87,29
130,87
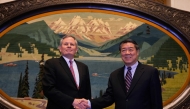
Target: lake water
99,73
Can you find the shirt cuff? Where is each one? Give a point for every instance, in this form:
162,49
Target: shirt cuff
89,104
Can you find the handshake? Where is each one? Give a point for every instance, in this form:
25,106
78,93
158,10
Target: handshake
81,104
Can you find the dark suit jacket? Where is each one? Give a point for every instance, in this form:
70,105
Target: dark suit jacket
59,85
144,92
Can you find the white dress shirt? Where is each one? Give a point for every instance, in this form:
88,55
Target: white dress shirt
75,68
133,69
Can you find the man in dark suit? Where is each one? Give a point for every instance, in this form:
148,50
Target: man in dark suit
144,90
64,82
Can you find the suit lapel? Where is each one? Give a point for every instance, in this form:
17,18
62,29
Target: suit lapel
80,70
138,73
121,79
67,69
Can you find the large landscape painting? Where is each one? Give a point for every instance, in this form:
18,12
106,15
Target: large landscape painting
25,48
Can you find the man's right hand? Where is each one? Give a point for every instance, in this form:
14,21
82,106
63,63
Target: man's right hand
80,104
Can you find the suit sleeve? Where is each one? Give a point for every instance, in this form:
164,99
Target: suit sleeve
49,89
85,88
105,100
155,90
88,91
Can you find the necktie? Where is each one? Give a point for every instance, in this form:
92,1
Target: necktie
72,71
128,78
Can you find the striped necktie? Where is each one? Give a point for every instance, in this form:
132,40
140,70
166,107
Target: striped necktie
128,78
72,71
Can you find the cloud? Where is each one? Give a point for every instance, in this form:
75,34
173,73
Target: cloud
90,17
113,19
119,19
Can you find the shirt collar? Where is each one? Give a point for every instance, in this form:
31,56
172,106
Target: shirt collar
134,66
67,60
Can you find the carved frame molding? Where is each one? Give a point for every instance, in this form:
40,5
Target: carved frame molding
174,20
177,19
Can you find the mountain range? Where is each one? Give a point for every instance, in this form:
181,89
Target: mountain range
96,30
41,34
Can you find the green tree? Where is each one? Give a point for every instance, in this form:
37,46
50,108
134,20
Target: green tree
19,86
25,84
101,93
38,91
35,92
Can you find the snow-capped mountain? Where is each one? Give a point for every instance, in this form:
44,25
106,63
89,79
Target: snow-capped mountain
95,29
57,25
98,26
126,29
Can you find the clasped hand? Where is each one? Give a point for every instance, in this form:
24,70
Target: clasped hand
80,104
